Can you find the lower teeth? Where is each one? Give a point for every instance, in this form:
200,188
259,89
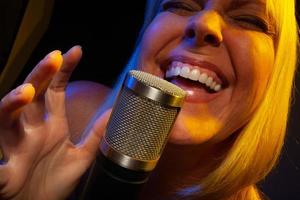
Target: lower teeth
209,90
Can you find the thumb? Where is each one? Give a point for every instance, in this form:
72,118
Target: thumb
92,140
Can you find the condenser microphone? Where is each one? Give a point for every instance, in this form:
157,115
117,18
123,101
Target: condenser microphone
136,134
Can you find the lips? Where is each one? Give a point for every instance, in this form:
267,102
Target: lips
203,81
196,74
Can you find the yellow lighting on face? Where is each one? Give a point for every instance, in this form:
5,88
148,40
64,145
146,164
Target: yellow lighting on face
201,129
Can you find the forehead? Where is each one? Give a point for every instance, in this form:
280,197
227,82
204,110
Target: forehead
226,3
260,3
257,4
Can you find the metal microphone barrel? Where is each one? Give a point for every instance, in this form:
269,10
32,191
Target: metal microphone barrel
137,131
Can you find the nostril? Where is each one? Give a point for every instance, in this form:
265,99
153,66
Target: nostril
203,38
211,39
190,33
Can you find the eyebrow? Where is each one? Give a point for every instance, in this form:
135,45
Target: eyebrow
239,3
262,4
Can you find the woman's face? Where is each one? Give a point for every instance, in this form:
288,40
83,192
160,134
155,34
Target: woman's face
221,52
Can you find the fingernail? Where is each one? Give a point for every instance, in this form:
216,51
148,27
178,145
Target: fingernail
20,89
53,54
55,59
76,47
73,49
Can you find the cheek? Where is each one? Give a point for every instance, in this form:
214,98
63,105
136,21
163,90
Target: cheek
161,35
263,56
252,56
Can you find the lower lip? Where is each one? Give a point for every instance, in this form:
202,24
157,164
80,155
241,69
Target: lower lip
196,93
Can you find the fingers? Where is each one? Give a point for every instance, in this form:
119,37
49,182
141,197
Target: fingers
40,78
70,61
51,75
43,73
13,175
13,101
55,95
92,141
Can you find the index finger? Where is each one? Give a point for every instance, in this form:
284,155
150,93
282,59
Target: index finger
44,71
13,102
70,61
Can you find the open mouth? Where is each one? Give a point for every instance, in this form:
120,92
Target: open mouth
178,80
194,76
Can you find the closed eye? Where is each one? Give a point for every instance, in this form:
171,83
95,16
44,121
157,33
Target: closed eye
252,22
180,7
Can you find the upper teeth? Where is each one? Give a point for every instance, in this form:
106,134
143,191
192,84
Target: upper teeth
187,71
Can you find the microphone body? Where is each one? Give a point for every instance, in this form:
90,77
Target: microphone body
136,134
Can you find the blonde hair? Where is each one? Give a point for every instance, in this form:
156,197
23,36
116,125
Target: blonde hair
257,147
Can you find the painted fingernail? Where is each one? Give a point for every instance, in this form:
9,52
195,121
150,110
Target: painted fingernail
53,54
20,89
55,58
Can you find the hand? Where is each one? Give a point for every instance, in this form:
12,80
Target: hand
40,161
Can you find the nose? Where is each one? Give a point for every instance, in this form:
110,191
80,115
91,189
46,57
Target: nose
205,29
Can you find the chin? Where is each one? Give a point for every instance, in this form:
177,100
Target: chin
177,137
195,127
183,134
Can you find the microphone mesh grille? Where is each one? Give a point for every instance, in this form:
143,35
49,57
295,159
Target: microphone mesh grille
139,127
158,83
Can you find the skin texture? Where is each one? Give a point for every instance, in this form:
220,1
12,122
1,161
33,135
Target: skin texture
245,55
40,128
218,33
41,161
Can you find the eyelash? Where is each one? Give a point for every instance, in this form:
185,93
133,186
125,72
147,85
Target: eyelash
253,22
249,21
177,6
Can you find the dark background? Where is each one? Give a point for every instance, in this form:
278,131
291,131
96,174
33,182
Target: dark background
107,30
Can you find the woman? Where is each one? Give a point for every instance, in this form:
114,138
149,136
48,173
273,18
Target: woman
235,59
